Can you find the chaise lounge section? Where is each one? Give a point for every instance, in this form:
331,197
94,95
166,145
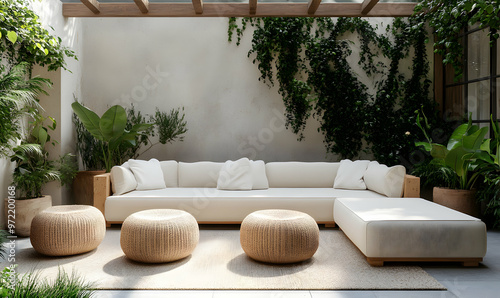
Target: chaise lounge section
410,229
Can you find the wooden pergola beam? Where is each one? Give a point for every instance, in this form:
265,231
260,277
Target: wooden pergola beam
198,6
143,5
312,6
340,9
367,6
252,6
93,5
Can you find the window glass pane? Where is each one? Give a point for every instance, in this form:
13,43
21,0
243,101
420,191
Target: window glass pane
498,97
454,103
478,56
479,100
498,58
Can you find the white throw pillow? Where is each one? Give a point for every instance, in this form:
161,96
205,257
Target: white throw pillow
350,174
385,180
147,173
259,177
122,180
235,175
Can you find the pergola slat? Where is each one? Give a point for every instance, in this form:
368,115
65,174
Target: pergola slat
93,5
367,6
313,6
198,6
252,6
143,5
239,10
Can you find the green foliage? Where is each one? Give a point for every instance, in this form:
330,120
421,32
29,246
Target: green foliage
8,278
309,59
23,38
17,98
88,148
3,239
463,159
109,129
449,17
33,170
32,285
169,127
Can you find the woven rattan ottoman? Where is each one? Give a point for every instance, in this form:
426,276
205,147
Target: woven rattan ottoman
279,236
67,230
159,235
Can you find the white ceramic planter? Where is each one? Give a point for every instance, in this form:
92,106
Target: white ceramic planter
25,211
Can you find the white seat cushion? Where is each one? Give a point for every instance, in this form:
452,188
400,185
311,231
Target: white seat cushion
213,205
409,228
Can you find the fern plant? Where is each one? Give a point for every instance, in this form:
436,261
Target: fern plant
18,96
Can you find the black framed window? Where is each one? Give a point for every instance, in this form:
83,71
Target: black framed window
478,90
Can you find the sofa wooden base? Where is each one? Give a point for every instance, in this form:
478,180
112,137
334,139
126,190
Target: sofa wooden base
328,224
466,262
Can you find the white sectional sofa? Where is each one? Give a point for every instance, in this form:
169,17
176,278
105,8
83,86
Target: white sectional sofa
302,186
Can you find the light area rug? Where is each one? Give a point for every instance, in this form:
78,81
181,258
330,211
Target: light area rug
218,262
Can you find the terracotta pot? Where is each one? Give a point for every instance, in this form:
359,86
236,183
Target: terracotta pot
25,211
83,187
457,199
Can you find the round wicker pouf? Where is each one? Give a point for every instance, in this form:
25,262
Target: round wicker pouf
67,230
159,235
279,236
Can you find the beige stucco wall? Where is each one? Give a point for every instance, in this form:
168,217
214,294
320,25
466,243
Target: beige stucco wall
168,63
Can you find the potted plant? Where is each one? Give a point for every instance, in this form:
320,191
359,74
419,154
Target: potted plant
109,129
34,169
457,168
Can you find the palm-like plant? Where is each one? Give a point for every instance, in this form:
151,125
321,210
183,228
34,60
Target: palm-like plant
33,170
18,96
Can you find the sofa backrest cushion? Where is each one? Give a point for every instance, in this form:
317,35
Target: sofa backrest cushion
259,176
170,169
388,181
199,174
301,174
122,180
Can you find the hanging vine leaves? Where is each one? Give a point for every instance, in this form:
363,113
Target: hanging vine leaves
317,49
449,17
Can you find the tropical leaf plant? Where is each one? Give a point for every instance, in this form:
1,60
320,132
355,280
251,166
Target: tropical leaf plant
457,160
110,129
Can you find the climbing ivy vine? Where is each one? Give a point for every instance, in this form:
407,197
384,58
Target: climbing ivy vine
308,57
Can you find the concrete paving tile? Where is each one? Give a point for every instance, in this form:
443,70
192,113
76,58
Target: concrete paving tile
342,294
153,294
262,294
